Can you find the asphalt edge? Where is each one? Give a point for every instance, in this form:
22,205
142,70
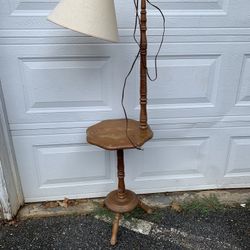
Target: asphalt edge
227,197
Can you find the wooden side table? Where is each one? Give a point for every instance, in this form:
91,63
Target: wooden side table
114,135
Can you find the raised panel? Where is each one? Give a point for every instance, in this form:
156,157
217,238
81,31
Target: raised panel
243,95
32,7
172,7
5,7
31,15
54,84
191,7
63,83
185,81
159,158
70,164
238,157
61,165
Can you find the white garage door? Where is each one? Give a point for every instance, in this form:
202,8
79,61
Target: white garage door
56,83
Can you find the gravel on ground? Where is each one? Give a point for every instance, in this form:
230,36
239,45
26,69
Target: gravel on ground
224,229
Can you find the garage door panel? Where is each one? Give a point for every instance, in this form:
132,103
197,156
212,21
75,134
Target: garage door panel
209,158
192,151
238,157
243,93
195,13
58,165
67,164
236,167
46,83
176,159
55,84
198,74
241,102
193,79
227,92
171,7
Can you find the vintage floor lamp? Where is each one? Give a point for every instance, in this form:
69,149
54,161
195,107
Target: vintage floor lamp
97,18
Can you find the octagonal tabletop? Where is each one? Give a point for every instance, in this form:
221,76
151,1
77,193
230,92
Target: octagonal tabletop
118,134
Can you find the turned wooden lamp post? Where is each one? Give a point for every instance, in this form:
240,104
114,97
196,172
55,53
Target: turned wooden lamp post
97,18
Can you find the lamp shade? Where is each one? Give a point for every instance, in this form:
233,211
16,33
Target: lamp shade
96,18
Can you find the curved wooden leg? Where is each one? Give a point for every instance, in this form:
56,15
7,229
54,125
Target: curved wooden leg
145,207
115,229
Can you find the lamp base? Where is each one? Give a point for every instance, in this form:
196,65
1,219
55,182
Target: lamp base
122,200
124,204
117,135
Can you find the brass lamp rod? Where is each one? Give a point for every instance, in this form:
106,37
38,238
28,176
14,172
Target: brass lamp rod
143,66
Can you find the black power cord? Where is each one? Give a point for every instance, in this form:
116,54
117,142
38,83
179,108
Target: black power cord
137,20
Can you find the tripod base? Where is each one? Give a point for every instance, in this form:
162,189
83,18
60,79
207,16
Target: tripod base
113,135
122,205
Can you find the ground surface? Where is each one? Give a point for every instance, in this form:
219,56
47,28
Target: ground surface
224,229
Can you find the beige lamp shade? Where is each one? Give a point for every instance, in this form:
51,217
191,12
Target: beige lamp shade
92,17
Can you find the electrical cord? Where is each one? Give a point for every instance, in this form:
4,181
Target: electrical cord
152,79
125,83
137,20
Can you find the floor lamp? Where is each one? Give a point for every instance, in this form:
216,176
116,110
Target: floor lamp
97,18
